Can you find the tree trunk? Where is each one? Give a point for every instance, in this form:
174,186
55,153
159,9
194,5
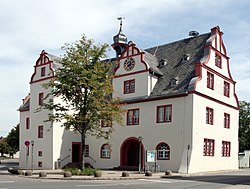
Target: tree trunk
83,151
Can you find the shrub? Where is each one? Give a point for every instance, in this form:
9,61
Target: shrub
76,171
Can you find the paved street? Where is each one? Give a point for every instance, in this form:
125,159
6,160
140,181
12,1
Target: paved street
231,180
234,180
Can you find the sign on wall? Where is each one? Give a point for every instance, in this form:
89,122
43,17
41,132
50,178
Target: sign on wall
151,156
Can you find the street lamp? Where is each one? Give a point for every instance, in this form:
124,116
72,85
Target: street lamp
140,144
32,154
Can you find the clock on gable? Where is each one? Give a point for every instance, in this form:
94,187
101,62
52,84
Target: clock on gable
129,64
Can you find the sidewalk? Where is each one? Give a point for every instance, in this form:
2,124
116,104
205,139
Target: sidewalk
106,175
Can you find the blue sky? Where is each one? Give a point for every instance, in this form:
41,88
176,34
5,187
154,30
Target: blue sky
30,26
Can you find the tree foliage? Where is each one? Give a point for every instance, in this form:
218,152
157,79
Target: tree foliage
4,148
244,126
84,83
11,144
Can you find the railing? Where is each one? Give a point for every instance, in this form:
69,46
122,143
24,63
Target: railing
90,157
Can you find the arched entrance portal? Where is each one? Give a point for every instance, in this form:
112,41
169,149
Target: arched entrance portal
129,153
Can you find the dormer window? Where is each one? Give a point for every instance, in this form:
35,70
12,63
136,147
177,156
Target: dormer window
163,62
174,81
185,57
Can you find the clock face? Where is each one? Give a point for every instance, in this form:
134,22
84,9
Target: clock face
129,64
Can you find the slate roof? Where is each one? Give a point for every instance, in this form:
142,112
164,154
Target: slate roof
25,106
177,69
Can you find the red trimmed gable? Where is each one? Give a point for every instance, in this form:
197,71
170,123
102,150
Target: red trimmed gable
130,51
43,64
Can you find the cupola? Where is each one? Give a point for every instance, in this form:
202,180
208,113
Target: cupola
120,40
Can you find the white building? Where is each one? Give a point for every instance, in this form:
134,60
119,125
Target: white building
180,100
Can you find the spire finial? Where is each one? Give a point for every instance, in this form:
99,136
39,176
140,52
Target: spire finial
120,18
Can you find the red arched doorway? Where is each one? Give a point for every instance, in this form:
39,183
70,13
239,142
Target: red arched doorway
129,153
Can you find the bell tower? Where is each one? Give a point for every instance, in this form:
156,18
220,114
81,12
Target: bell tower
120,40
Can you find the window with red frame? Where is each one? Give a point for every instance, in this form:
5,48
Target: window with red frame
86,150
133,117
226,120
40,131
226,89
208,147
40,99
105,151
218,60
105,123
226,147
209,116
42,71
129,86
27,122
163,151
210,80
164,114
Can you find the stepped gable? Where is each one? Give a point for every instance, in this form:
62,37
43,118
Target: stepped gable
180,58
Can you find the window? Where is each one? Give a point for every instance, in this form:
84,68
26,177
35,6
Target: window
40,153
133,117
209,116
86,150
226,88
105,151
163,151
208,149
218,60
226,147
40,131
129,86
105,123
42,71
40,164
210,80
226,120
40,99
164,113
27,122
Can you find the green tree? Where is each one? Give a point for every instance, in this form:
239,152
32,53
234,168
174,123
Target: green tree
84,83
4,148
13,140
244,126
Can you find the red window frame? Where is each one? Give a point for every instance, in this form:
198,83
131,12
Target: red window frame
226,89
104,123
209,116
43,71
218,60
27,122
210,80
129,86
208,147
86,150
162,111
226,149
133,113
40,131
226,120
40,99
107,153
164,153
